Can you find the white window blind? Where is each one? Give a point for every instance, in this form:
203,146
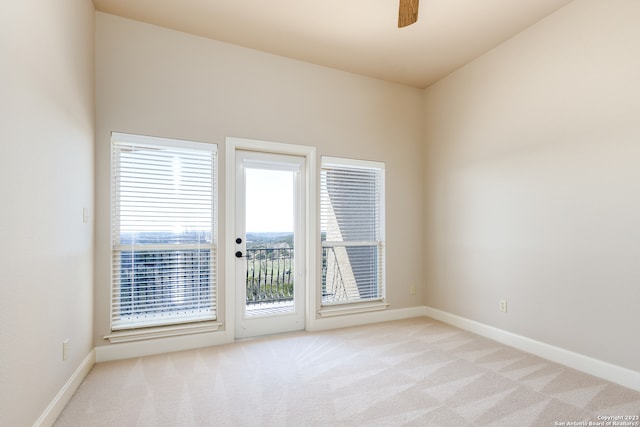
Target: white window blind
352,230
163,231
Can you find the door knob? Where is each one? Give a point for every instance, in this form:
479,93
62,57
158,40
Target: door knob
238,240
238,254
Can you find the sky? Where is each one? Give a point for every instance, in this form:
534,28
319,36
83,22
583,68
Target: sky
269,200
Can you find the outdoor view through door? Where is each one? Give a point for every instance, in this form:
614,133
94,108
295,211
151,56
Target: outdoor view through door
268,243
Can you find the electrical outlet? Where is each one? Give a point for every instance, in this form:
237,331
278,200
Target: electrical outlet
503,305
65,349
412,290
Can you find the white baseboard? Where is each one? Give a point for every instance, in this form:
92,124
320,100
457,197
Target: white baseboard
58,403
617,374
127,350
365,318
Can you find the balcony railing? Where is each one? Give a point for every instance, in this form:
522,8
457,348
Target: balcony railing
269,275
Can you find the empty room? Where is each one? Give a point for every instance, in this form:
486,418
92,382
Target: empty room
383,212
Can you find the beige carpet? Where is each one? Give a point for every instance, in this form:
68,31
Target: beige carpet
416,372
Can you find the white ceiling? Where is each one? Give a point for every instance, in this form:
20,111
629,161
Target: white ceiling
360,36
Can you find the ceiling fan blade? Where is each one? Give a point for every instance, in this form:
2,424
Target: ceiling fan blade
408,13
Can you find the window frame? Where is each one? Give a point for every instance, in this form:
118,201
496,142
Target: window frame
378,302
167,325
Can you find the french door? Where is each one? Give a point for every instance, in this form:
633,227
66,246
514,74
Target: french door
269,243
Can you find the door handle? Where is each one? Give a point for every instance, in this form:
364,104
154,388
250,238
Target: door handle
239,254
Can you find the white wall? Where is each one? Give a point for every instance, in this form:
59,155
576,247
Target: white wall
160,82
533,183
46,170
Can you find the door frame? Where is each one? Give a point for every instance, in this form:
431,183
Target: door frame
229,290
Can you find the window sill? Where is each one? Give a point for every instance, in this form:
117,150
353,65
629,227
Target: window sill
161,332
340,310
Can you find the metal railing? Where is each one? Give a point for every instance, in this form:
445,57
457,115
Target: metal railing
350,273
333,288
269,275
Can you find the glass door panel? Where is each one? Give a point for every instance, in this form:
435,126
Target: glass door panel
269,243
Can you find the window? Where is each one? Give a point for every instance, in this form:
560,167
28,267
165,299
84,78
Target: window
352,230
163,232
